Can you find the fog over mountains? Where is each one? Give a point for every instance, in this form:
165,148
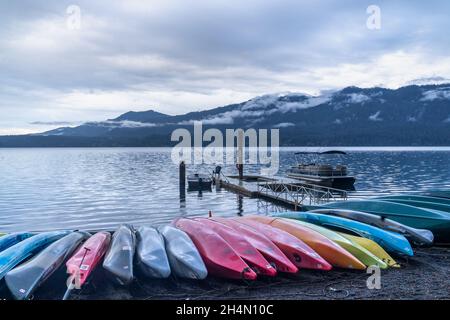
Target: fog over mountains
407,116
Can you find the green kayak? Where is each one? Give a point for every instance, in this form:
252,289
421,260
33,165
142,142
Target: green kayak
436,221
422,204
438,193
411,197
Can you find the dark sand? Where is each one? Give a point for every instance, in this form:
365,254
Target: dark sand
425,276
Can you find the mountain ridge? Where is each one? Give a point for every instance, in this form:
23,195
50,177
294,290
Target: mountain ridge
409,115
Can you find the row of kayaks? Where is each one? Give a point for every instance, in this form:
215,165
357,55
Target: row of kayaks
193,248
416,211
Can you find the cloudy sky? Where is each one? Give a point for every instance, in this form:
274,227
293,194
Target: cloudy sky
176,56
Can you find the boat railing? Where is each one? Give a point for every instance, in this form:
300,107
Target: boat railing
300,193
321,172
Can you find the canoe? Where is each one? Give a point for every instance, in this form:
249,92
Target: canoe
151,254
390,241
184,258
119,258
327,249
298,252
219,257
437,222
26,278
354,248
12,239
373,247
419,237
422,204
242,247
264,245
81,265
17,253
413,197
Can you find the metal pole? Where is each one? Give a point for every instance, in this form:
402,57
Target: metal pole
182,181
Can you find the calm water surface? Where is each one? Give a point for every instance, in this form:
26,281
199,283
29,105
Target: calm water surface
45,189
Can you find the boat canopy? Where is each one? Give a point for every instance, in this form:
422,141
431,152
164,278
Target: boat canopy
322,152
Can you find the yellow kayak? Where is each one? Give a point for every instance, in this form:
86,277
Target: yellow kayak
358,251
373,247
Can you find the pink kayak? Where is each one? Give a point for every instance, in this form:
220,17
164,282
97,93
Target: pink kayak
263,244
242,247
88,256
302,255
219,257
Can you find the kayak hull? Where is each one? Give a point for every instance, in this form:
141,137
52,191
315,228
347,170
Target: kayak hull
151,253
242,247
14,255
331,252
81,265
354,248
264,245
184,258
298,252
419,237
219,257
119,258
390,241
25,279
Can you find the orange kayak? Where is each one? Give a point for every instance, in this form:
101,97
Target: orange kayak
327,249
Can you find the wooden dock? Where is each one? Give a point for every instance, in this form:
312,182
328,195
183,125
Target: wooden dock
288,194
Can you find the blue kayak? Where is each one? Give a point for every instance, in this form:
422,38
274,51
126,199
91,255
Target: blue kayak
11,239
390,241
14,255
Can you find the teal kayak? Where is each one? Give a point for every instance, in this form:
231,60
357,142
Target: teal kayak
438,222
422,204
413,197
438,193
11,239
390,241
14,255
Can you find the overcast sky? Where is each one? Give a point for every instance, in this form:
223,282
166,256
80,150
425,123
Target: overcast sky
176,56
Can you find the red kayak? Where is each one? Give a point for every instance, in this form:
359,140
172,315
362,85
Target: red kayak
220,258
242,247
302,255
87,257
263,244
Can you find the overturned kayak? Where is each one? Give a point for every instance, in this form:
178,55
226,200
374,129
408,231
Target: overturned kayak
219,257
151,254
436,221
422,204
119,258
374,248
438,193
11,239
242,247
184,258
412,197
354,248
26,278
264,245
298,252
419,237
390,241
81,265
14,255
327,249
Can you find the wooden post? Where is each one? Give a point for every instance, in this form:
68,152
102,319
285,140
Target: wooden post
182,181
240,155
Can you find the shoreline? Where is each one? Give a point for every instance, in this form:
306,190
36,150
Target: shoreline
422,277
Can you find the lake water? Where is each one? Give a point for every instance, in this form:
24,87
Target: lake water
43,189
